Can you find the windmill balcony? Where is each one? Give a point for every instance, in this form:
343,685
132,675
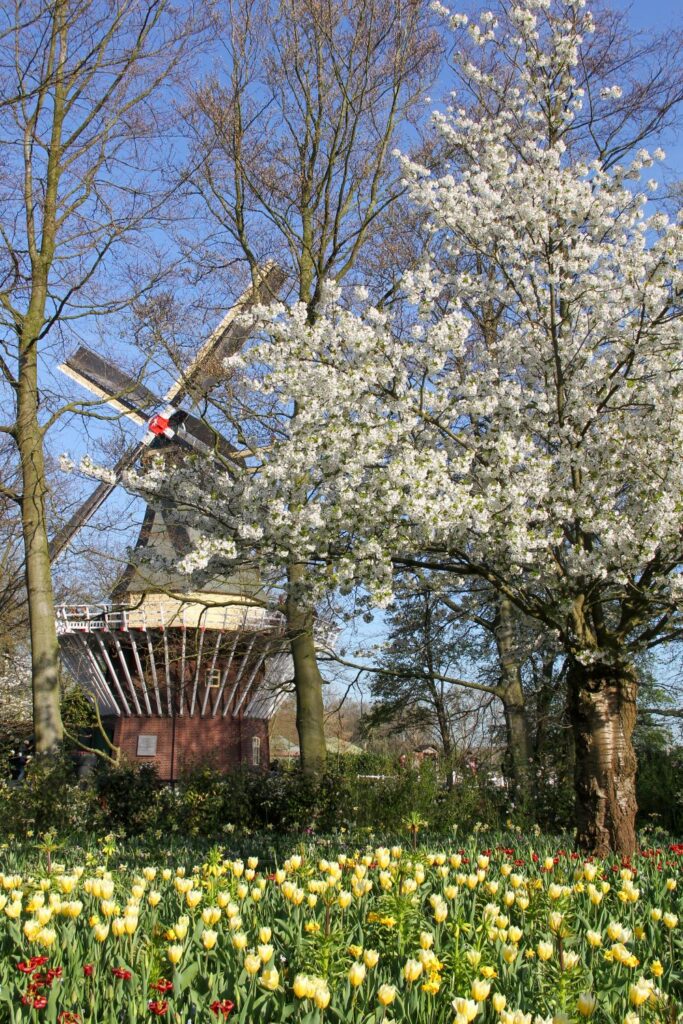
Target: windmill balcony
159,612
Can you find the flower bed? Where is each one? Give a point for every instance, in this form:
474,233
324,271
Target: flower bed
492,935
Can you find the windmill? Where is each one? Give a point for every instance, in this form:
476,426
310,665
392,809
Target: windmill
179,676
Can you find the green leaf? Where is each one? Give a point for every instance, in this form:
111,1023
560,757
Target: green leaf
185,978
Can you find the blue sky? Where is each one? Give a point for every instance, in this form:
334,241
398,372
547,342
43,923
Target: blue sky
654,13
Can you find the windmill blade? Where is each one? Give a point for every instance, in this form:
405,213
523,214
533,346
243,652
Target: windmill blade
229,337
65,535
102,378
128,396
134,400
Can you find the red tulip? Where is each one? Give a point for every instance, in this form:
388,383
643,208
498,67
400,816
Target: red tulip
162,985
158,1007
224,1006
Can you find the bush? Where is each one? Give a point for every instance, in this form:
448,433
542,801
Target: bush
49,797
131,800
128,796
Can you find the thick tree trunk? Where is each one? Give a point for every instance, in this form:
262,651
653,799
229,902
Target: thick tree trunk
517,734
544,696
308,682
602,707
512,697
444,727
47,719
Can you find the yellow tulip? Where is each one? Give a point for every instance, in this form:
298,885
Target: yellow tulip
270,979
31,929
386,994
357,973
509,953
46,936
303,987
265,951
569,959
252,963
466,1009
412,970
370,958
321,995
193,897
480,990
640,992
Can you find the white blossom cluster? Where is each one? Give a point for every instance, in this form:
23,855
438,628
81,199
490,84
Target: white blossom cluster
529,425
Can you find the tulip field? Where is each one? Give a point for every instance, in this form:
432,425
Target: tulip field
379,934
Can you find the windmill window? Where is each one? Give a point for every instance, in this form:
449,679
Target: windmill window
256,750
213,678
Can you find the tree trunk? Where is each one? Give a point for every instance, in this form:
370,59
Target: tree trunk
602,707
544,696
47,719
308,682
512,697
517,734
443,723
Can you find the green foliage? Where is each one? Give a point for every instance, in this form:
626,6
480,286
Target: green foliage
77,710
131,800
359,793
128,796
49,797
660,785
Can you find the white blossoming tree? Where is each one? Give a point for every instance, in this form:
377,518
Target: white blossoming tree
528,429
521,421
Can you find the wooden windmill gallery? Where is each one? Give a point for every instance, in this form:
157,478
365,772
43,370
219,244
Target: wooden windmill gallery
180,677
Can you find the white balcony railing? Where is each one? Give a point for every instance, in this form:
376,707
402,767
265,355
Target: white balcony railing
163,613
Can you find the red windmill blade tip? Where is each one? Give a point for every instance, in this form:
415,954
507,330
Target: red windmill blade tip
158,424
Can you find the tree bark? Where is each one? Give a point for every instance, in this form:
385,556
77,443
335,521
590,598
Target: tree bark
308,682
602,707
512,698
41,237
444,726
47,719
517,734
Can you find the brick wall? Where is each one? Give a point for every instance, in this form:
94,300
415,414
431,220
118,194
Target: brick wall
222,743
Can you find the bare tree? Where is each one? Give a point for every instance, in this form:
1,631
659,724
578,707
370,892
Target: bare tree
291,142
80,128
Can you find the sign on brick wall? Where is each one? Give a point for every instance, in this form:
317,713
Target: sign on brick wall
147,746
